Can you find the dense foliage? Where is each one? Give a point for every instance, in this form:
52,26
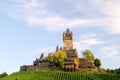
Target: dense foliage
59,58
97,62
87,54
51,57
3,74
118,71
60,76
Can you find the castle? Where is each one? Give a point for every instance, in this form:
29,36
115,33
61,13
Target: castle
71,62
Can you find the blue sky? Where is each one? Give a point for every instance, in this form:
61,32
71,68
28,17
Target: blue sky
30,27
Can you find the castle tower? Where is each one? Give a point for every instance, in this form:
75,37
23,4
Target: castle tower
67,40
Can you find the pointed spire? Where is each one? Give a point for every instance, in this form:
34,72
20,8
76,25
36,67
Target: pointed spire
61,48
71,33
68,32
57,48
42,56
63,34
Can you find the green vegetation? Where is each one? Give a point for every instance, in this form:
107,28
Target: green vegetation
3,74
59,58
60,76
51,57
87,54
97,62
117,71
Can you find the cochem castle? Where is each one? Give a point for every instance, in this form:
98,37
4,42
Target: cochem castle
71,62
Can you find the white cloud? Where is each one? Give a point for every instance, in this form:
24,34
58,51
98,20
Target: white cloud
86,41
91,35
35,12
56,23
111,10
109,51
107,11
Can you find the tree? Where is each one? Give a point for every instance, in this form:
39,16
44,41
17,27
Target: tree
59,58
42,56
108,70
87,54
3,74
113,71
97,62
117,71
50,57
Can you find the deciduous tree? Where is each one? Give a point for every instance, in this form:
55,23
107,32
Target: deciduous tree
97,62
51,57
59,58
87,54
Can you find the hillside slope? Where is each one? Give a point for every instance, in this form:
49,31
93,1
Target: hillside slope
59,76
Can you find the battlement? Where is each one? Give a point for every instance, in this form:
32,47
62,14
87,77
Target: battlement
68,35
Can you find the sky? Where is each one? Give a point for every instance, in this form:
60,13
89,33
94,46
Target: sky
31,27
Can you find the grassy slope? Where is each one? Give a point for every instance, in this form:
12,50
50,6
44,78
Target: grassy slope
59,76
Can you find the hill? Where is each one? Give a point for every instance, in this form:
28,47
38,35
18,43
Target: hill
60,76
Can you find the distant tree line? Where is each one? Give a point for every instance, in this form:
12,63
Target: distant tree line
111,71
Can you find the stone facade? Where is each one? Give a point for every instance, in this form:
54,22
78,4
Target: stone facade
83,63
38,65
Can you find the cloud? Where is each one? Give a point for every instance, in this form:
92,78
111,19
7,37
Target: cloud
109,51
107,11
36,13
56,23
111,10
86,41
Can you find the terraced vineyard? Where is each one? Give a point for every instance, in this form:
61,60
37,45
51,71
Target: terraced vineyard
59,76
84,76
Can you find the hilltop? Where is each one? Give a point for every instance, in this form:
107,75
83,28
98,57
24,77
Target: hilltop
47,75
65,58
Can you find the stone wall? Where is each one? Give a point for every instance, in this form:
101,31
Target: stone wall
88,69
39,67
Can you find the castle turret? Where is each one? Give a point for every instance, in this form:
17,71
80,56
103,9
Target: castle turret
67,40
57,48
